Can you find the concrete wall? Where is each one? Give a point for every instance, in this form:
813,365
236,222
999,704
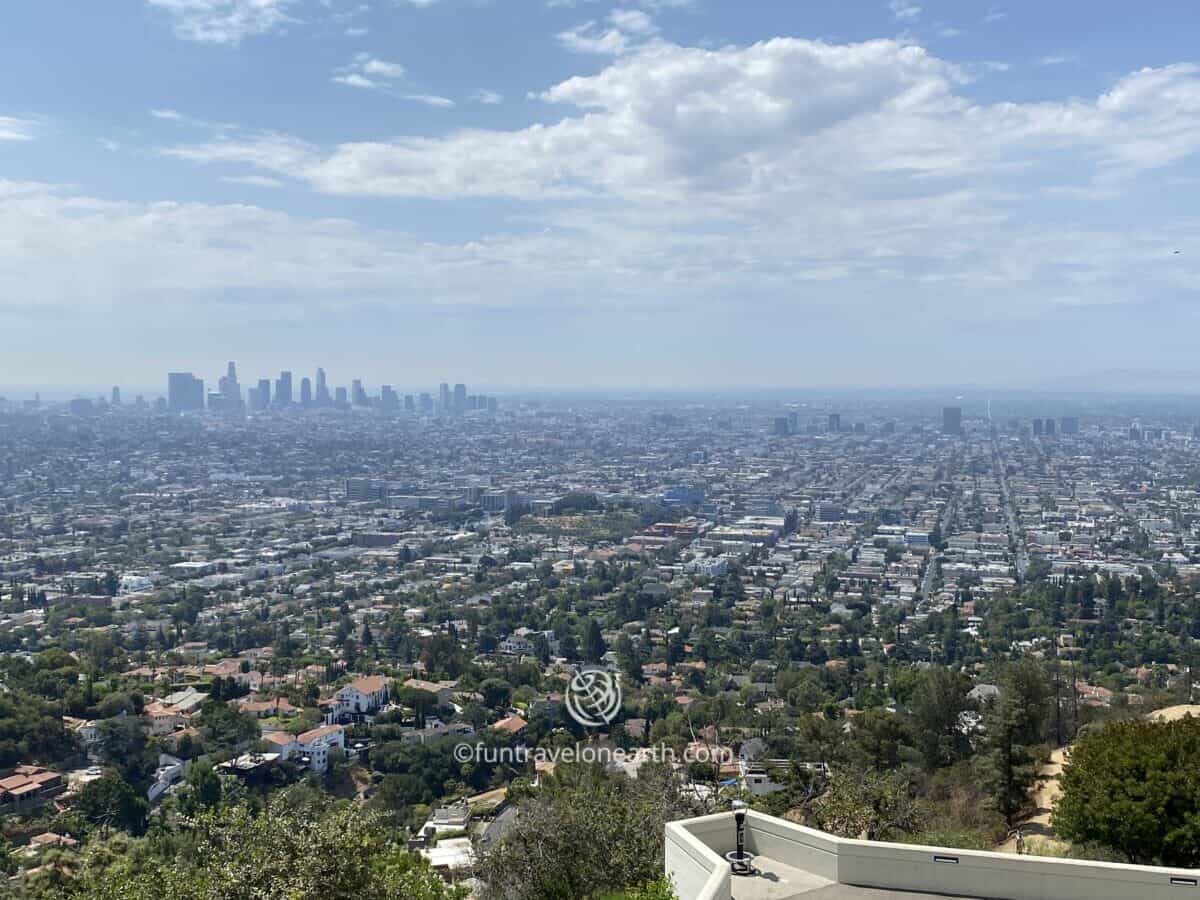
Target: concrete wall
1006,877
695,863
695,869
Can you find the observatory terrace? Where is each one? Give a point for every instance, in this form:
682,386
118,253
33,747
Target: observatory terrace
791,861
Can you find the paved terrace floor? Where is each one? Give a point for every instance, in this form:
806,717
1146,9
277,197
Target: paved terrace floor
775,881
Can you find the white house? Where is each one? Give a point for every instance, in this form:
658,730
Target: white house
318,744
363,695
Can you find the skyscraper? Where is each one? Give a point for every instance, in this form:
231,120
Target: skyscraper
116,396
358,396
185,392
835,422
443,398
952,420
306,393
1070,425
262,398
283,389
1039,428
229,391
323,397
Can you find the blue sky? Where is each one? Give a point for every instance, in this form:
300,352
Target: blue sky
579,193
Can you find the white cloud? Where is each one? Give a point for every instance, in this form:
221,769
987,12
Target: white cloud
429,100
369,72
904,10
225,21
260,181
1057,59
632,21
384,69
355,80
108,144
278,154
625,30
847,175
13,128
489,98
781,117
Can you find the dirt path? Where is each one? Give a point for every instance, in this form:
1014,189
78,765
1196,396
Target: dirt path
1047,791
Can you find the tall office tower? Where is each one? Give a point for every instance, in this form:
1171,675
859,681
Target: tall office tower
409,404
341,400
388,398
952,420
780,427
306,394
1070,425
491,404
283,389
264,394
460,398
889,427
185,392
835,422
1050,428
323,398
1039,428
230,391
443,398
357,395
426,403
116,396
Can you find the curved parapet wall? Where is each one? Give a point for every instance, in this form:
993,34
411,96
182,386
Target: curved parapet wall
695,848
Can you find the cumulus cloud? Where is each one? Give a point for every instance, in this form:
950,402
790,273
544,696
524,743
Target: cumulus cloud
857,176
225,21
775,118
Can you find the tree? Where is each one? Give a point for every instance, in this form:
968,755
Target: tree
938,702
593,642
202,789
869,805
586,832
1135,788
1016,721
1010,764
303,849
496,692
111,802
125,746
